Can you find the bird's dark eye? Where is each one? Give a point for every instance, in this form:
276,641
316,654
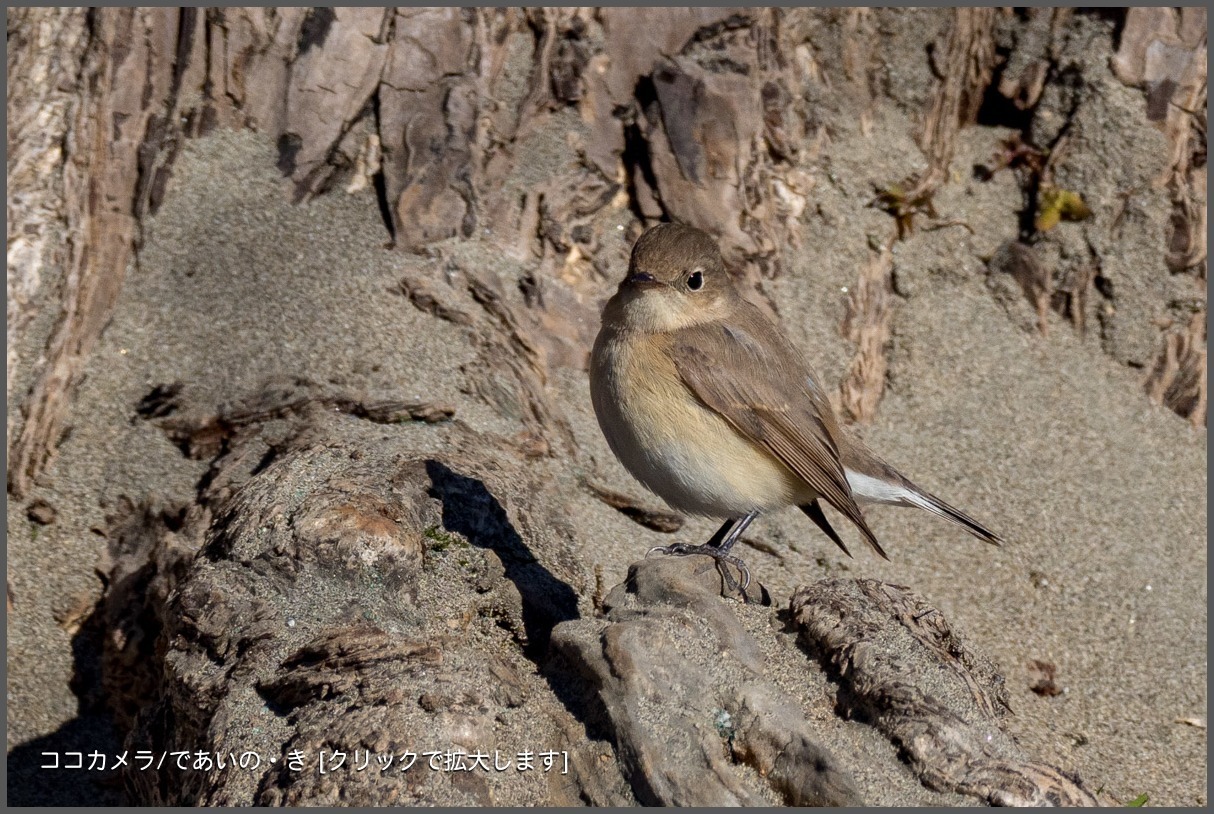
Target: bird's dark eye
695,281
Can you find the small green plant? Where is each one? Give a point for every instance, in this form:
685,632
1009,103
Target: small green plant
1139,801
724,724
441,540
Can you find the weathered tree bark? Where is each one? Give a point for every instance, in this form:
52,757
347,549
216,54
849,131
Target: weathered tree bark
1164,52
94,176
698,114
351,622
658,694
45,54
336,595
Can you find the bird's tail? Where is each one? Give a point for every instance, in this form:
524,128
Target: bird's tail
933,504
878,482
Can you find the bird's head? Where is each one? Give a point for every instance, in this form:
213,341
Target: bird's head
676,278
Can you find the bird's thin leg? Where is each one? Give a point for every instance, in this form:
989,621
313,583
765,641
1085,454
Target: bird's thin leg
717,547
735,534
720,534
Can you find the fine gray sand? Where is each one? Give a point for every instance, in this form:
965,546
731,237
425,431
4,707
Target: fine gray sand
1101,496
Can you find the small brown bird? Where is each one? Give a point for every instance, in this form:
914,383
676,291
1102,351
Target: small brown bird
706,403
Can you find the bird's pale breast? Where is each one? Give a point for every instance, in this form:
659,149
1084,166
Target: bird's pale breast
672,443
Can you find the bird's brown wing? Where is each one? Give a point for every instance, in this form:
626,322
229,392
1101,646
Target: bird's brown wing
752,378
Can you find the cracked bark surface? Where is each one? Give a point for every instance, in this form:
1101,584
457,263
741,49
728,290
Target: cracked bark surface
682,681
884,641
295,606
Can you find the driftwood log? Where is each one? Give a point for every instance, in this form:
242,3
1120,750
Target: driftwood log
366,598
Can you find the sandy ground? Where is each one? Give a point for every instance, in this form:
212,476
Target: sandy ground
1101,495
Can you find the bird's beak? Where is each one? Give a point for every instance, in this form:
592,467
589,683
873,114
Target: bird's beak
641,279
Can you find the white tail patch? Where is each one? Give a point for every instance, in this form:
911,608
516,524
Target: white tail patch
867,489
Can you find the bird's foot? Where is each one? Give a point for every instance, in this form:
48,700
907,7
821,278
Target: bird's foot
683,550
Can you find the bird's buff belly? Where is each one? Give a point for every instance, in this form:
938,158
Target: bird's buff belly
684,452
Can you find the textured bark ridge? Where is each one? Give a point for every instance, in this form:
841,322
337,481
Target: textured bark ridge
45,55
92,130
682,683
1163,51
870,312
902,668
966,67
355,598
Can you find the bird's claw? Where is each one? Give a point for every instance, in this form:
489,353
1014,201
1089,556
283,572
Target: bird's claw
683,550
